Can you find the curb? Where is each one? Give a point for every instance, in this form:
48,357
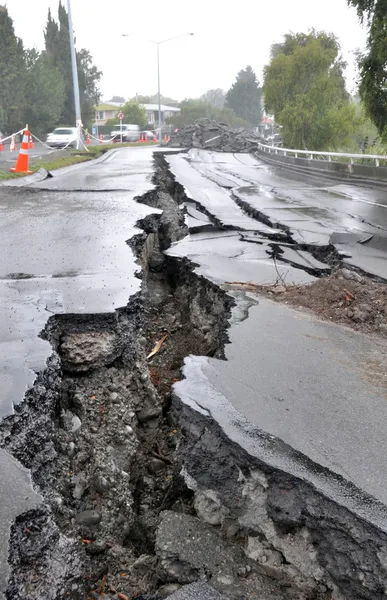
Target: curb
42,174
25,181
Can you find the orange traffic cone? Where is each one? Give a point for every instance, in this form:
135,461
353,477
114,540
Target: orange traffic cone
12,146
155,138
88,139
22,160
1,146
145,138
31,144
165,138
100,138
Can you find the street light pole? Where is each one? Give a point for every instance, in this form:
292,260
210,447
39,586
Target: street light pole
158,89
77,102
158,71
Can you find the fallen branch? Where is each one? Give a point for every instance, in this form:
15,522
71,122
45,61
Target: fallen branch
157,347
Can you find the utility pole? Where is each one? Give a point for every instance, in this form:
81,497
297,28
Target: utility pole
77,102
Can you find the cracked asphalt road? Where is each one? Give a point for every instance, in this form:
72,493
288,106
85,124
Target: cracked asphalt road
65,252
63,243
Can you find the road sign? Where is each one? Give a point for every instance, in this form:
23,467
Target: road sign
120,115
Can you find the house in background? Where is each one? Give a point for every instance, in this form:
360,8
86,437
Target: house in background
110,110
266,126
152,112
105,111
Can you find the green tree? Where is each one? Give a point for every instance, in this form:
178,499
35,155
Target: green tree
373,63
57,44
13,75
46,93
216,98
304,88
244,97
135,113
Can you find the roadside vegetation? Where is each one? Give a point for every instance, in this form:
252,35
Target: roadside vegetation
36,87
304,88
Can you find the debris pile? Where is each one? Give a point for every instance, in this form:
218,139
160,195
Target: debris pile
205,133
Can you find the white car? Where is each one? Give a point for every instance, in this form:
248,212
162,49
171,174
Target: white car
63,136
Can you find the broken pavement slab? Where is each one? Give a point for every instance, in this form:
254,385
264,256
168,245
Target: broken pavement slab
337,421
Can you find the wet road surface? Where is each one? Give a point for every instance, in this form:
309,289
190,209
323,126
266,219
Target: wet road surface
242,193
65,252
301,394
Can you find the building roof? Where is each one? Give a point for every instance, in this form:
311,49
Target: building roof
115,105
164,107
108,106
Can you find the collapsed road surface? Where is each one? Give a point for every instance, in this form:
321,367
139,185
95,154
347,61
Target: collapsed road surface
260,476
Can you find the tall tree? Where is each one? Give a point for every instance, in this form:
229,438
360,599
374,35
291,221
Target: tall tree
12,70
46,92
216,98
304,88
57,43
244,96
373,63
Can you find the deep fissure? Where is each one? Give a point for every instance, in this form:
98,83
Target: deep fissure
124,466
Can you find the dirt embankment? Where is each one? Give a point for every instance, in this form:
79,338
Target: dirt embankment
344,297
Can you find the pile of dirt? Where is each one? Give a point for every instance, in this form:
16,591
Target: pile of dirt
213,135
345,297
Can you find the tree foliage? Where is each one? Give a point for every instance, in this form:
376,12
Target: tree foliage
194,108
12,70
135,113
244,97
36,87
304,88
46,92
216,98
373,63
57,42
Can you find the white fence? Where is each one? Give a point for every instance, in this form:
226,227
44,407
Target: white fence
324,155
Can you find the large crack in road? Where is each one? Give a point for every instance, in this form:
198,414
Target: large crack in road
144,493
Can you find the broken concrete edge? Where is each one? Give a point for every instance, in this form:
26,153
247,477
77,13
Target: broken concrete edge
329,169
269,450
40,175
92,161
289,525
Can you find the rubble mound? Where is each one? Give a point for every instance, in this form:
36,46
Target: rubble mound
214,135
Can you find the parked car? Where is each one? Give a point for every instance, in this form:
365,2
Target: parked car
130,133
63,136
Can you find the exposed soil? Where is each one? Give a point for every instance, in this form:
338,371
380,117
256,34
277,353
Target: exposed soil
344,297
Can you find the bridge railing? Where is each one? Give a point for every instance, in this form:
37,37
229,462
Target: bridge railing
337,156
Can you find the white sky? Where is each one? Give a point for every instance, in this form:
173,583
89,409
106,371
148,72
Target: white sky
225,40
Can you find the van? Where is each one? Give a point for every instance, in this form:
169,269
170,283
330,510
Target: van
130,133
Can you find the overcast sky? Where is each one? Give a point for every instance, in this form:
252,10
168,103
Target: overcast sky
225,40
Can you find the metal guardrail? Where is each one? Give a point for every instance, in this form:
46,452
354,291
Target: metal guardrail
313,154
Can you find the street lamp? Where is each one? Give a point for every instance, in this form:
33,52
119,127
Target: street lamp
158,69
77,103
